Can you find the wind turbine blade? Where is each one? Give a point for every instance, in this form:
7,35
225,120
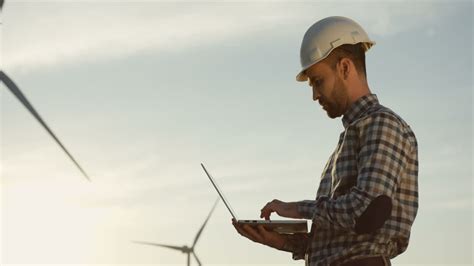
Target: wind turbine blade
1,5
198,261
19,95
160,245
205,222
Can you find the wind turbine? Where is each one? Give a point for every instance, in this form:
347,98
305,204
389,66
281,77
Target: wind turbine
185,248
19,95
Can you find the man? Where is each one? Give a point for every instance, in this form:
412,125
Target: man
367,198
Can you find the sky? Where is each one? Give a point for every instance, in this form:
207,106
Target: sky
142,92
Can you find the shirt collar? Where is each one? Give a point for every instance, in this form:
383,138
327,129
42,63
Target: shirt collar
358,108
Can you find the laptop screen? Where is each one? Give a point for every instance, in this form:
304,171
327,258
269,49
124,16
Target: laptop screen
219,192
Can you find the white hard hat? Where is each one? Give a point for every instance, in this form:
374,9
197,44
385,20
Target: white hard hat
327,34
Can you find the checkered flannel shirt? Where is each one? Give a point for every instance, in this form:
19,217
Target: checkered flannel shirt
377,154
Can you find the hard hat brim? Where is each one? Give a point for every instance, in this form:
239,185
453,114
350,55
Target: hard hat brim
301,77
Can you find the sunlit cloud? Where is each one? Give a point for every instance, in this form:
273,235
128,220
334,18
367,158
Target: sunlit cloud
89,33
48,34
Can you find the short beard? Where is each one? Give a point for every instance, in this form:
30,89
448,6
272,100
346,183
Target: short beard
338,106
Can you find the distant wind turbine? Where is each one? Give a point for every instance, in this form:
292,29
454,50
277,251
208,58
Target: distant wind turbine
185,249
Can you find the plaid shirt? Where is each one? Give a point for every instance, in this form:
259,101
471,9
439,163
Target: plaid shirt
376,155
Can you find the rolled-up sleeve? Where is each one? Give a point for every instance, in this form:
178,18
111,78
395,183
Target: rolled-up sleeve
297,244
306,208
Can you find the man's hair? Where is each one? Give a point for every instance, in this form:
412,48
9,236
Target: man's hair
355,52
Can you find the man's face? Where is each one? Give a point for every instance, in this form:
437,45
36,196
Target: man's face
328,89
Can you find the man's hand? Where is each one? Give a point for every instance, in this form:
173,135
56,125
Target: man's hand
284,209
261,235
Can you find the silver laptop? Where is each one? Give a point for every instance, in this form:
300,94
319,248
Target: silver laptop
280,226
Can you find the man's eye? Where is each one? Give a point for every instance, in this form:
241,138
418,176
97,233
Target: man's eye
318,82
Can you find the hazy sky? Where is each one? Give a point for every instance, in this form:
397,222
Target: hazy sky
142,92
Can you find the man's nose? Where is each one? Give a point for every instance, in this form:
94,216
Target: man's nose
316,94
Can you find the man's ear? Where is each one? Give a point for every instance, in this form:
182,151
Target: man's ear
344,67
